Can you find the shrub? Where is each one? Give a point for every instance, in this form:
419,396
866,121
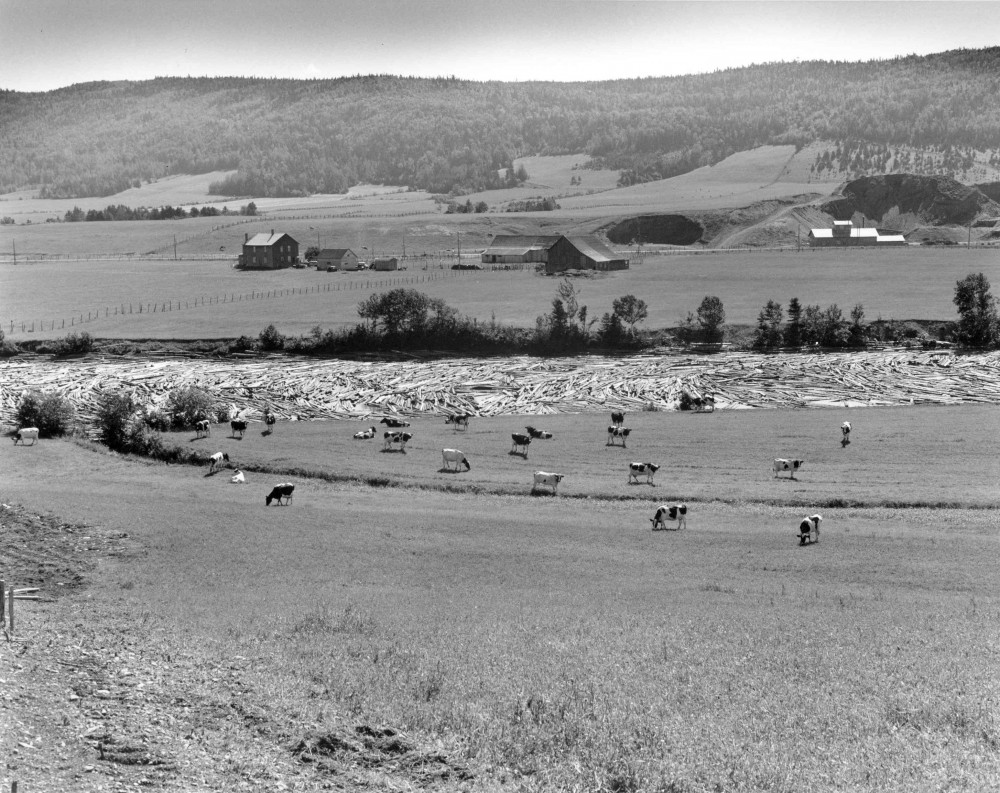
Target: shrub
51,413
187,405
114,418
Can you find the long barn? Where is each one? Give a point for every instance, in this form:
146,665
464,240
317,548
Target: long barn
583,253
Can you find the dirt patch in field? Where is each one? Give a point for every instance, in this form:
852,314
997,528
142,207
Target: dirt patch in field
657,230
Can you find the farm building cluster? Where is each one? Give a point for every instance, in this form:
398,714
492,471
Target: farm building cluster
845,233
557,252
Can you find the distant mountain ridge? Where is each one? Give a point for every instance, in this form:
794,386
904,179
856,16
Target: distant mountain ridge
919,114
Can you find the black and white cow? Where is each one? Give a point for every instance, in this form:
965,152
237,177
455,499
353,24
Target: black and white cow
279,492
617,432
455,457
809,529
399,438
845,433
635,470
781,464
215,461
202,428
538,434
543,478
365,435
617,418
394,422
238,425
269,421
705,404
667,512
522,441
460,420
25,434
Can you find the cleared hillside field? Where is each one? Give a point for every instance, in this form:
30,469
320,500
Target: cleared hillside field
894,283
544,643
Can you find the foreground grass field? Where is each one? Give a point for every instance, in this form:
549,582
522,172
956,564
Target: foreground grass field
899,283
552,643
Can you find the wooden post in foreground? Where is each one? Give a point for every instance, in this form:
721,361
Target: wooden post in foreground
3,604
10,605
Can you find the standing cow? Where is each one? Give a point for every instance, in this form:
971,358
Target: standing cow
238,425
667,512
635,470
781,464
24,434
455,457
617,432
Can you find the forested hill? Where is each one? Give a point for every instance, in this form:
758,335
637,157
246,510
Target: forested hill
291,137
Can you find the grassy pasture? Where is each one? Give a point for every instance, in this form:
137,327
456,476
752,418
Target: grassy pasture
552,643
892,283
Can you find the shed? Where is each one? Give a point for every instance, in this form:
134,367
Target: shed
385,264
518,249
337,259
269,251
583,253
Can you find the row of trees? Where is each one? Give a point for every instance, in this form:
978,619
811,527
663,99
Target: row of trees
122,212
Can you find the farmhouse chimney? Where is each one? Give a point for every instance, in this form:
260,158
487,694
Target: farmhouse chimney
272,232
246,237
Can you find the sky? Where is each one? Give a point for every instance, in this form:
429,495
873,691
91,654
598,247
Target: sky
48,44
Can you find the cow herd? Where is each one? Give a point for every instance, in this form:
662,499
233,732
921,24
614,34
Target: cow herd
455,460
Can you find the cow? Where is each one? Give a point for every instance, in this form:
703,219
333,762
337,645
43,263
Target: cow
780,464
402,438
269,421
279,492
520,440
547,479
538,434
395,423
460,420
667,512
617,432
703,404
24,434
238,478
845,433
617,418
456,458
215,461
809,529
635,470
365,435
203,428
238,425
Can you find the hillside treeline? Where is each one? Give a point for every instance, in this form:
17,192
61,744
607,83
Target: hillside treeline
293,137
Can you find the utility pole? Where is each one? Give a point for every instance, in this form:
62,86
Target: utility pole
175,247
459,235
14,246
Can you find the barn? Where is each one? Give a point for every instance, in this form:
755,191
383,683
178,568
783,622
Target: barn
585,252
337,259
268,251
518,249
385,265
844,233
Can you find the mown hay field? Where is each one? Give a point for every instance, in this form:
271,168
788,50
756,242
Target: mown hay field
556,642
901,283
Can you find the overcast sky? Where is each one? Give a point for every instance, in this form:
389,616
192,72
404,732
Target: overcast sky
46,44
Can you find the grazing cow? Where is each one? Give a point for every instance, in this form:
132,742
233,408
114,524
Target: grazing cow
402,438
238,426
456,457
24,434
635,470
667,512
547,479
845,433
460,420
617,432
394,422
202,428
520,440
617,418
538,434
791,466
809,529
703,404
215,461
279,492
269,420
365,435
238,478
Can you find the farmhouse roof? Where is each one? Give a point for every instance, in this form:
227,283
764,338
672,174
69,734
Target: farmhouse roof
868,231
334,253
593,248
266,239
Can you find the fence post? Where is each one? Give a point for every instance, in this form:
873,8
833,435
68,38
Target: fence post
10,610
3,604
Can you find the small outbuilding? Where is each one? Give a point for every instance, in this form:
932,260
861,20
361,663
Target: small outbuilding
385,264
268,251
337,259
585,252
